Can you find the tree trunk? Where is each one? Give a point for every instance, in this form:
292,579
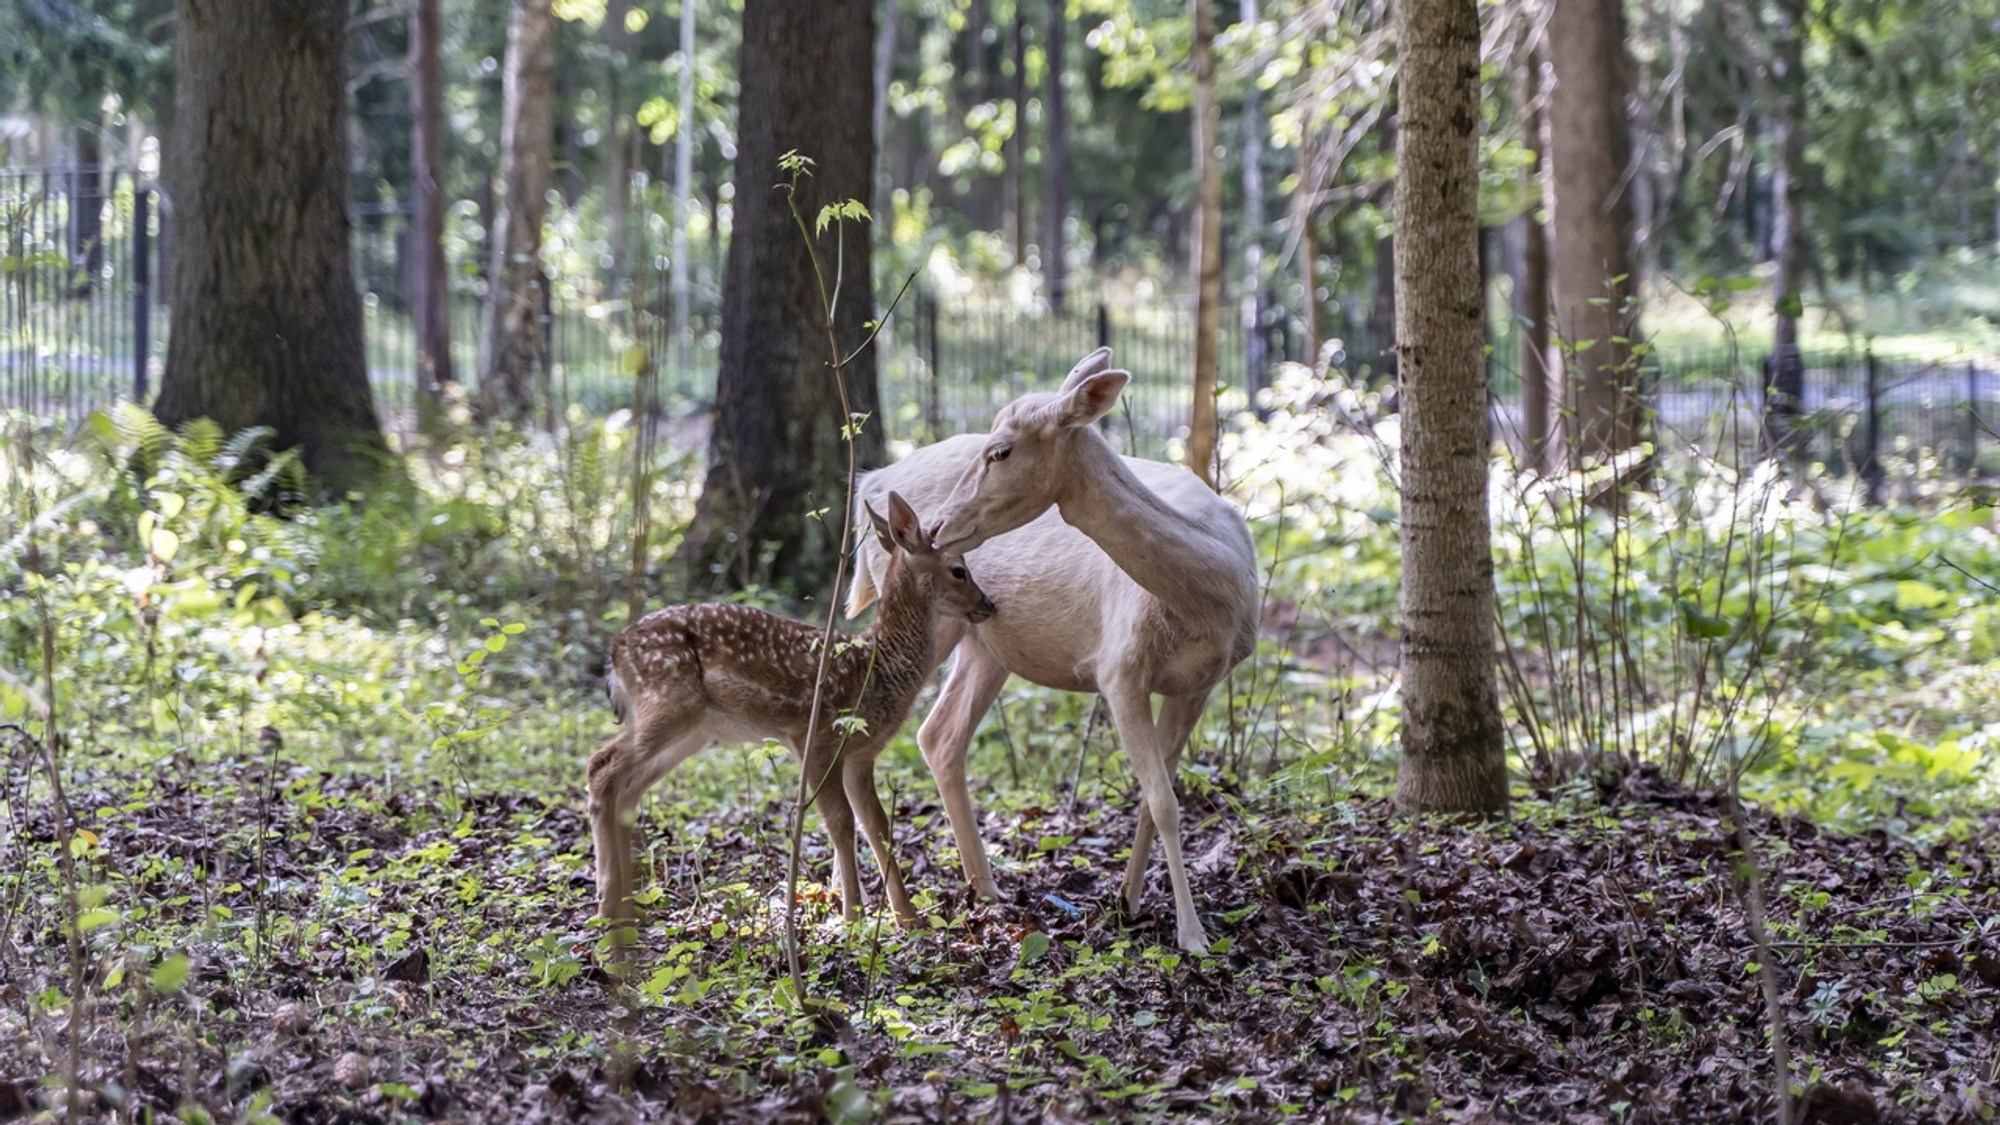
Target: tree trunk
430,283
1591,266
776,455
1018,166
1531,289
680,272
512,353
266,327
1255,345
1453,757
1207,244
619,135
1784,394
86,214
1055,161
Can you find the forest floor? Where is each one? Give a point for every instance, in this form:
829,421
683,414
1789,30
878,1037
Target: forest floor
389,953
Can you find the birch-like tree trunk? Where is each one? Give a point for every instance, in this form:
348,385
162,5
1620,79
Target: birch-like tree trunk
512,353
1453,757
1207,244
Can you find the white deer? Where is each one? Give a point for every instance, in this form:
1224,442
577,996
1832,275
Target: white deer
1122,576
689,676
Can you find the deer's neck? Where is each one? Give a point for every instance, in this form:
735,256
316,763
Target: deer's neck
900,637
1180,560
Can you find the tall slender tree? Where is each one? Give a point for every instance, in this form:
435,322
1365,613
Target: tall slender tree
1591,280
1453,757
512,350
777,458
429,285
1207,244
1055,157
1786,88
266,324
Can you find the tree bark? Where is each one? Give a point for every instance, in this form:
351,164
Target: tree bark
430,282
1055,161
777,455
86,214
1784,394
1593,312
512,352
1018,166
1531,289
266,327
1255,358
1453,756
1207,245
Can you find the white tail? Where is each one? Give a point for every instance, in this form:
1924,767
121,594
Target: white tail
688,676
1121,576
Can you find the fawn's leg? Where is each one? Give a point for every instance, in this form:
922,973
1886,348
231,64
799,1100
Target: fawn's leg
858,778
975,682
830,797
620,773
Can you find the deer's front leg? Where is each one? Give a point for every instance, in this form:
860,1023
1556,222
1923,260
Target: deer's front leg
975,682
1132,709
858,777
1178,714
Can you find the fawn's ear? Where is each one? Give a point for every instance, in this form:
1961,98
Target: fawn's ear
882,534
904,528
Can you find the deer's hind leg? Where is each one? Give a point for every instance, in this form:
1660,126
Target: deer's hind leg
620,773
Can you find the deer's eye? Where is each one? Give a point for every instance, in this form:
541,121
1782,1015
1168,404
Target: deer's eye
1000,454
958,572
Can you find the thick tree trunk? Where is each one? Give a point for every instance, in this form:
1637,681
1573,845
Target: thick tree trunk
512,352
1207,244
429,282
266,326
777,454
1591,264
1055,160
1453,757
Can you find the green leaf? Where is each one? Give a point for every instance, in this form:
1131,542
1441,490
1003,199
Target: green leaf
172,973
1913,595
165,544
1033,945
1790,306
95,919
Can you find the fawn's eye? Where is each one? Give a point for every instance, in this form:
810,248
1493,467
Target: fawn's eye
1000,454
958,572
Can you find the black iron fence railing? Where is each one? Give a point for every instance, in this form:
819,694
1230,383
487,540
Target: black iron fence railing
83,324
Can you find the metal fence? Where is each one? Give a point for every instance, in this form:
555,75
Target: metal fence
82,325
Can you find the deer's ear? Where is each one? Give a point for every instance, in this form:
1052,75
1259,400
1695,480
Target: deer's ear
1091,398
882,535
904,528
1087,366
